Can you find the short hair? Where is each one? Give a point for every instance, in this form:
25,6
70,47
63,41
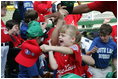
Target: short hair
105,29
72,31
10,24
30,15
3,4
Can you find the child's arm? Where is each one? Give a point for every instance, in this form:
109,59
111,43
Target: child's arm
61,49
55,33
88,59
92,51
52,61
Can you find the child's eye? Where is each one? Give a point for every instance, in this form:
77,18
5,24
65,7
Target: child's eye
62,35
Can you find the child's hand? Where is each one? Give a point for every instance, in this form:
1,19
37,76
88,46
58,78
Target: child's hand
44,47
50,42
94,49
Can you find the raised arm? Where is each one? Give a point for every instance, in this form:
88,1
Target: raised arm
83,8
55,33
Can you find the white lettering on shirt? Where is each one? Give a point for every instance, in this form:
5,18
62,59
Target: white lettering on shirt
65,69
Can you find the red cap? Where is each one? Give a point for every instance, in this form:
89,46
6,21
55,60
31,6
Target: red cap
28,55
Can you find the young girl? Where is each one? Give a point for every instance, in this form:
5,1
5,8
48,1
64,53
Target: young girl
67,57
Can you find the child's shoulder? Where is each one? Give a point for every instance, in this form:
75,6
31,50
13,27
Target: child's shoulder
75,47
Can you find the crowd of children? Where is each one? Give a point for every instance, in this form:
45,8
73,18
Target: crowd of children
44,44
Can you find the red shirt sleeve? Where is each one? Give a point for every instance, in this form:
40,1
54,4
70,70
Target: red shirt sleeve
98,5
77,53
103,6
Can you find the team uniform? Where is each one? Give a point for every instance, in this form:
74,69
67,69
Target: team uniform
104,6
5,39
17,40
105,52
69,63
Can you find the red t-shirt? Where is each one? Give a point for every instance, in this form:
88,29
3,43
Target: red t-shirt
72,19
69,63
86,71
104,6
43,8
18,40
114,33
5,37
2,23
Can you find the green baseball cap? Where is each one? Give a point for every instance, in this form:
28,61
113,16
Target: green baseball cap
34,29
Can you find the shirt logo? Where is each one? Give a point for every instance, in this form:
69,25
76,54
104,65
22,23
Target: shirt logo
27,52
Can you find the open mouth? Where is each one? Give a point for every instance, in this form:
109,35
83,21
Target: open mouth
61,41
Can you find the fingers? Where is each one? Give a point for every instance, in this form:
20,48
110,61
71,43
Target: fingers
49,42
63,12
62,7
42,47
94,49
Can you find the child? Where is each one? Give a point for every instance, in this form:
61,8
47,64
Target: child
69,59
13,29
103,49
30,52
5,39
30,15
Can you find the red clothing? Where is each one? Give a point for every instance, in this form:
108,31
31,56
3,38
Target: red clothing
42,7
17,40
86,71
29,54
104,6
2,23
69,63
49,33
72,19
5,37
114,33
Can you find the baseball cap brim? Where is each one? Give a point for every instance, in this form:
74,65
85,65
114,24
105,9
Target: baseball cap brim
27,62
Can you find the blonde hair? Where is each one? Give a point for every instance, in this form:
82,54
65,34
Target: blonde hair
72,31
